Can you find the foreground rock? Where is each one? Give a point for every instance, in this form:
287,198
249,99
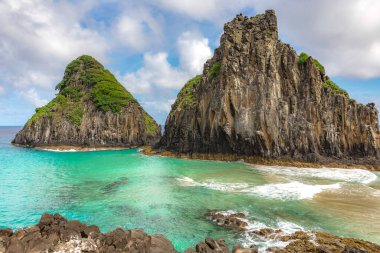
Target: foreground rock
92,109
54,233
257,97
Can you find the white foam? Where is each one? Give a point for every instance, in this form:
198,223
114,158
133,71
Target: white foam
290,191
283,191
225,187
336,174
62,150
213,185
264,243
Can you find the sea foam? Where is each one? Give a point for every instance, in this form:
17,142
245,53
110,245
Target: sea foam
290,191
282,191
336,174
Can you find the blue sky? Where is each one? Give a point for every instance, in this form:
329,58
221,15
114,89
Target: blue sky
154,46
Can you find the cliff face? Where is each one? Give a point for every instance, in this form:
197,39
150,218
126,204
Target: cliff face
257,97
91,109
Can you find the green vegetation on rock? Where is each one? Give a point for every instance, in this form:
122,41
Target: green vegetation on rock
215,70
105,91
110,96
334,88
302,59
186,95
85,79
150,124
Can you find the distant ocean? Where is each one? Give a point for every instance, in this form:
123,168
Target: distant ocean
171,196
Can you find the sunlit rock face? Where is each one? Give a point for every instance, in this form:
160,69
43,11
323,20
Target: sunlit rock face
257,97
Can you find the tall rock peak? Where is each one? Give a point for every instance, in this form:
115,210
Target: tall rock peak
258,97
92,109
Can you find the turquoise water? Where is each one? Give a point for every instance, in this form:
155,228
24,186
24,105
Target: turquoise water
170,196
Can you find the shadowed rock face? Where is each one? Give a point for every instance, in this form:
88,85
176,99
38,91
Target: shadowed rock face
256,97
92,109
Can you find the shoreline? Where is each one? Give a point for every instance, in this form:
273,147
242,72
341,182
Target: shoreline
251,160
68,148
254,160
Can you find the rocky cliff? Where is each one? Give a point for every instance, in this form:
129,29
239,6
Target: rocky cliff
257,97
91,109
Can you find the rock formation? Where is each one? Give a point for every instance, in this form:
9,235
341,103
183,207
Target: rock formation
92,109
56,234
257,97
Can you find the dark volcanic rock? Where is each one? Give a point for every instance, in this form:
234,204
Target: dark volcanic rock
54,233
257,97
92,109
228,219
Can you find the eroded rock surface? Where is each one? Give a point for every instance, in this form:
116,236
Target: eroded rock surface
228,219
257,97
92,109
56,234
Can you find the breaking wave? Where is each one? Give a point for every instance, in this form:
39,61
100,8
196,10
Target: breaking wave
283,191
336,174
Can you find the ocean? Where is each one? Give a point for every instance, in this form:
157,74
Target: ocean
171,196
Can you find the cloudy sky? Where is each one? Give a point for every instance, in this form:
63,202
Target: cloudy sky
154,46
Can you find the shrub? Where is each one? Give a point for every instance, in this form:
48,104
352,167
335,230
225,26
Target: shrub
150,124
215,70
186,95
302,59
334,88
110,96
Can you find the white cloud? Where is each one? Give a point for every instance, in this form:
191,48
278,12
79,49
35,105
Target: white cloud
342,34
38,38
212,10
159,106
157,72
2,90
138,29
194,51
32,96
157,82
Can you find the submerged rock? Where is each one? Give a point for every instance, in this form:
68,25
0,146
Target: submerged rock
92,109
258,98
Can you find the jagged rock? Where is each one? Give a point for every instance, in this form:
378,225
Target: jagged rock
92,109
252,249
55,233
228,219
257,97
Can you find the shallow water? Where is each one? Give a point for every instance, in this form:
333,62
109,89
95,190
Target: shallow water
170,196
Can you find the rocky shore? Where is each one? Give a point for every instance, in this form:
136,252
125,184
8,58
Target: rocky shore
55,233
368,164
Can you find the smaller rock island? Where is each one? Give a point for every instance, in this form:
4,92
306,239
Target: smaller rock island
91,110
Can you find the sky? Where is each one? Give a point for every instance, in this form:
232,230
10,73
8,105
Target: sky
154,46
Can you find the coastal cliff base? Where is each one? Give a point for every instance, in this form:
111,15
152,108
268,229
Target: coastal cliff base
368,164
